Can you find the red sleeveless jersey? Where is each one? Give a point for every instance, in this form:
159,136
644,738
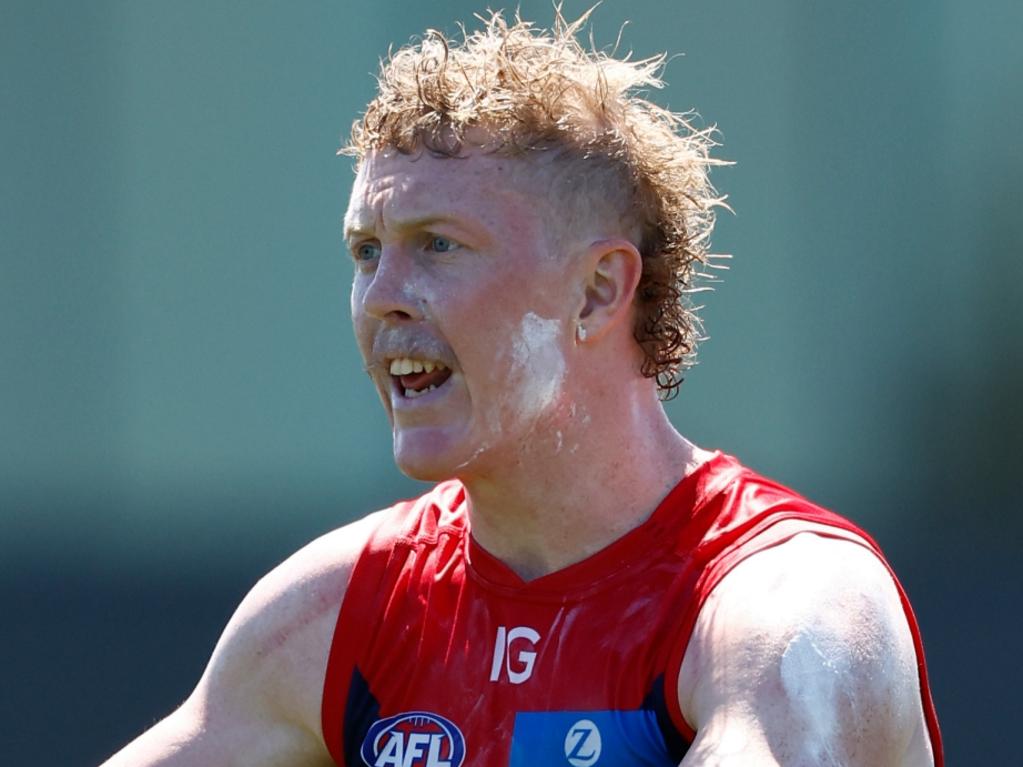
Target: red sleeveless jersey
444,657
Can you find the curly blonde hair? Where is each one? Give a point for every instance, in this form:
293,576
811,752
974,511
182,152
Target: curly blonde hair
534,89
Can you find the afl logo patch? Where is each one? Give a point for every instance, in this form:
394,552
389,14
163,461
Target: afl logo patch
413,739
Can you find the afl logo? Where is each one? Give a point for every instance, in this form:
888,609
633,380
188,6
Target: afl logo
413,739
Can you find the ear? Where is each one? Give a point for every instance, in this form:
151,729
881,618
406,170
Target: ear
613,268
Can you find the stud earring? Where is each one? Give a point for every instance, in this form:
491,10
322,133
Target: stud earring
580,333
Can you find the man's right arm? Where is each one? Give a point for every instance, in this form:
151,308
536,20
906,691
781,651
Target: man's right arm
258,702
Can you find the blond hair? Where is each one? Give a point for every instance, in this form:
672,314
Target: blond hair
533,89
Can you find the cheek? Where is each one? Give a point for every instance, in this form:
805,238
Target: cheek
492,314
505,294
355,299
362,325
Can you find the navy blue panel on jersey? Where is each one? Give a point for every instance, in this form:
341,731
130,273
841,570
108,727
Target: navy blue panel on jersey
361,711
676,744
581,738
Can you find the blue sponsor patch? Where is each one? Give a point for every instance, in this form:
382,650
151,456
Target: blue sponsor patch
585,738
413,739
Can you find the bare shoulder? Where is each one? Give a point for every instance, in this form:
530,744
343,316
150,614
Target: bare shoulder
258,702
803,655
281,632
306,587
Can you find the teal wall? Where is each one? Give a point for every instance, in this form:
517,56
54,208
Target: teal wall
182,405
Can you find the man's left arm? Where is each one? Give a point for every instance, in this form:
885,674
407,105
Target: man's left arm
802,655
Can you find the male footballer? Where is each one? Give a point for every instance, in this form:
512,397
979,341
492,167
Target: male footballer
582,586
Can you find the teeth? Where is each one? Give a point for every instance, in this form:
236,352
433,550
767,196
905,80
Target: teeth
412,393
403,366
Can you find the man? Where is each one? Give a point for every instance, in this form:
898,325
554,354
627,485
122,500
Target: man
583,586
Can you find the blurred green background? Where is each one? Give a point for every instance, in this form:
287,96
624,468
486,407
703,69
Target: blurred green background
181,401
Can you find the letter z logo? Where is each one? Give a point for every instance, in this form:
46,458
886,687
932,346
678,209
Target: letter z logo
582,744
503,654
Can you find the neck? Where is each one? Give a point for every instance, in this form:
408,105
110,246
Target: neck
579,483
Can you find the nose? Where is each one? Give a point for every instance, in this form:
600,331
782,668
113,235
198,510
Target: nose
389,291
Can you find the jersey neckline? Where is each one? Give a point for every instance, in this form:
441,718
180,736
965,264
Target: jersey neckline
638,549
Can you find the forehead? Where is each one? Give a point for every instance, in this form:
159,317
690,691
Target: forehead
491,190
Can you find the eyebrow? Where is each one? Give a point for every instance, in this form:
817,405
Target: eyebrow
419,222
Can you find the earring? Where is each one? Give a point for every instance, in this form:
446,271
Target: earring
580,333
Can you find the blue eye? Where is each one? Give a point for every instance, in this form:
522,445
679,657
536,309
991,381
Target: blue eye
440,244
366,251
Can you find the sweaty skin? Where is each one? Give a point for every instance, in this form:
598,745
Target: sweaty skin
499,304
258,703
802,655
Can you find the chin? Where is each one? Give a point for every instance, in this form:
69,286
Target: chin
424,471
428,456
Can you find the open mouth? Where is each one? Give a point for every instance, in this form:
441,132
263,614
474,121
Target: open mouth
416,378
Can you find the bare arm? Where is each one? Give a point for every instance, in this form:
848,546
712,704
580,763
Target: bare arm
803,656
258,702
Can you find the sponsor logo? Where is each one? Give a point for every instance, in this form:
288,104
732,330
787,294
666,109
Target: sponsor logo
524,659
582,743
413,739
589,739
